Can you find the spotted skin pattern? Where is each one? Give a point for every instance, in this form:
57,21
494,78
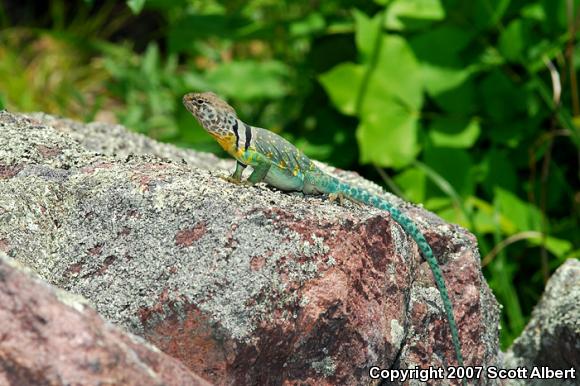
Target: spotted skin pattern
280,164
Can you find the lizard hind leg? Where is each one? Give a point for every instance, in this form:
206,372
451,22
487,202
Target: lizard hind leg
339,196
342,198
259,173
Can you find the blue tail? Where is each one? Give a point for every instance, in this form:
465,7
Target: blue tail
332,185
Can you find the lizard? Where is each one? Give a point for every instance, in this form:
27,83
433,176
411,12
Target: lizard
280,164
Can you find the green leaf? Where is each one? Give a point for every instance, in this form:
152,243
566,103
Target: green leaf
308,26
397,74
558,187
366,33
524,216
447,132
500,172
439,205
249,80
509,132
396,79
488,13
460,100
136,6
463,212
151,63
484,222
441,68
534,11
448,39
438,79
388,136
455,166
444,208
501,98
486,219
490,57
342,83
557,247
413,182
413,14
512,41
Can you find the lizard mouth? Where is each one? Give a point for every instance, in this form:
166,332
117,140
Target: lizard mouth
188,102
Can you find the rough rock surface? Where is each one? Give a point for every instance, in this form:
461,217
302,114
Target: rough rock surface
552,337
245,285
49,337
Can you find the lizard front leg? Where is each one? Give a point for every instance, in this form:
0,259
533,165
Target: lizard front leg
258,174
236,176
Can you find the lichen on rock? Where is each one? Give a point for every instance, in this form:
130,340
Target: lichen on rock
244,285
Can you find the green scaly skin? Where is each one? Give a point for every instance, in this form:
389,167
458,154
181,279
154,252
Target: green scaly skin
280,164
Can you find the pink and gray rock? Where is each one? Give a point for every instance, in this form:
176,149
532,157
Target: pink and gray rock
244,285
49,337
552,337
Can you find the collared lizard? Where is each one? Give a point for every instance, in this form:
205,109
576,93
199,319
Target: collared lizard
280,164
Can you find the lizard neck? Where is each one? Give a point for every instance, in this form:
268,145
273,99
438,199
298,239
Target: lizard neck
227,142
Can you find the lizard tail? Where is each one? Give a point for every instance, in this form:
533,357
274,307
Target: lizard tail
333,185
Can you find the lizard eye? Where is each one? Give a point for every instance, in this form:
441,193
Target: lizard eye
199,101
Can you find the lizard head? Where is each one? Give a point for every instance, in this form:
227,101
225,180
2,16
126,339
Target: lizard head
212,113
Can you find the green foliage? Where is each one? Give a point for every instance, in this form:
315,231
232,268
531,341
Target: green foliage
380,90
471,106
136,5
145,83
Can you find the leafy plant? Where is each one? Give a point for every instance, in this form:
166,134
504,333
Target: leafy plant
450,85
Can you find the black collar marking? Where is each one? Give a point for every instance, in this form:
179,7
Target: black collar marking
237,134
248,136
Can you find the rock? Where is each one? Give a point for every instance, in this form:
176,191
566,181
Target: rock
244,285
117,141
552,337
48,337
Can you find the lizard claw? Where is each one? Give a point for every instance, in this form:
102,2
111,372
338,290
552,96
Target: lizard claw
337,196
231,179
236,181
342,198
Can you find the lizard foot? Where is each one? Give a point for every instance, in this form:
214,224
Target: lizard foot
337,196
230,179
342,198
236,181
